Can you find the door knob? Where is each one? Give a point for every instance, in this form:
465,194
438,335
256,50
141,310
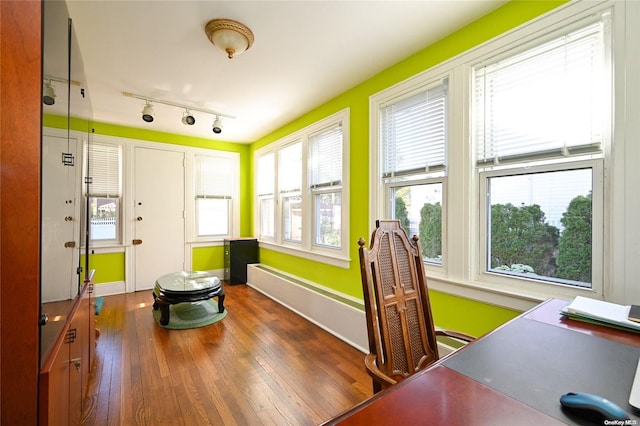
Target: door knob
70,244
136,242
68,218
139,218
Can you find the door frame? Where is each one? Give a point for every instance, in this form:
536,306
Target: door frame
128,213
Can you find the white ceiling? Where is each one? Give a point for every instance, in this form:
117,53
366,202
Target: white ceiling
304,54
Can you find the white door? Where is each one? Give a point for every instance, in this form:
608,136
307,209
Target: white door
60,240
159,234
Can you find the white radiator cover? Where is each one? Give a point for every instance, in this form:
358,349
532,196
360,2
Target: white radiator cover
318,304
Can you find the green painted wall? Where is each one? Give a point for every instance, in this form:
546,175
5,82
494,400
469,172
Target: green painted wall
207,258
450,312
109,267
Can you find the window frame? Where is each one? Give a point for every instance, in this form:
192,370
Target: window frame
389,205
118,240
462,275
233,195
284,194
306,248
380,187
259,220
523,283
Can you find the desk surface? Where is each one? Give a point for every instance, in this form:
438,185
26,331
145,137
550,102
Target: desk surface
515,374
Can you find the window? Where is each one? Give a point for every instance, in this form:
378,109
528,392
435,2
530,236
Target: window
309,214
265,191
104,191
325,184
413,139
214,190
290,186
539,115
539,224
501,159
546,102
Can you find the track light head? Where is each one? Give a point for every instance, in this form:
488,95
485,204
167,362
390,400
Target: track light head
188,118
217,125
147,113
48,94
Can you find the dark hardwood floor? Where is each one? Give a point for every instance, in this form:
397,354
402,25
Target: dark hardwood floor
261,365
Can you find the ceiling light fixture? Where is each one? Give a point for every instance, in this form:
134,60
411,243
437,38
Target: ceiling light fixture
217,125
48,90
147,113
48,94
232,37
187,117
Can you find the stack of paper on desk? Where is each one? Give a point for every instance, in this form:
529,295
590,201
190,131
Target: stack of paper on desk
605,313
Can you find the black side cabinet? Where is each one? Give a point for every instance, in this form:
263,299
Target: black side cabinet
238,253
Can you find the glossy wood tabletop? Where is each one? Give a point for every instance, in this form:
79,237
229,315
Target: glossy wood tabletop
442,395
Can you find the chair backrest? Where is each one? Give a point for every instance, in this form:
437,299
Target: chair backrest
399,322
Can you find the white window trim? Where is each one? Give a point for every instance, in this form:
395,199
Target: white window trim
307,248
190,211
543,288
378,189
461,277
118,241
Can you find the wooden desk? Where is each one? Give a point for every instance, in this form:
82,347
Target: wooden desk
513,375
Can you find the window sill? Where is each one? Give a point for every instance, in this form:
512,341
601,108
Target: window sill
498,295
209,243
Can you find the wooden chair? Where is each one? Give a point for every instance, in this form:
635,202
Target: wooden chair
402,336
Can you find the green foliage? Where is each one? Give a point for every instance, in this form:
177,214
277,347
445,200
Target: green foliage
431,230
401,212
520,235
574,246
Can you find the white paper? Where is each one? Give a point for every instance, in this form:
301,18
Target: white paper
604,311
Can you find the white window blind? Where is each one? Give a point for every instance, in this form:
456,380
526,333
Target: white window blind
265,175
104,170
413,132
325,157
212,177
546,102
290,168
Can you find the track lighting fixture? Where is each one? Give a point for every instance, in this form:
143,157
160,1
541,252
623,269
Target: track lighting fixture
187,116
48,90
147,113
217,125
48,94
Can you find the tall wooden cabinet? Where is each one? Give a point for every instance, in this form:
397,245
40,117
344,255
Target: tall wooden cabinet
23,401
67,332
20,127
64,375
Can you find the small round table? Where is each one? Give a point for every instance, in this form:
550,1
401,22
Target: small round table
185,287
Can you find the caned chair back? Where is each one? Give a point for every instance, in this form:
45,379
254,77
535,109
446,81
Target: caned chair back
402,337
